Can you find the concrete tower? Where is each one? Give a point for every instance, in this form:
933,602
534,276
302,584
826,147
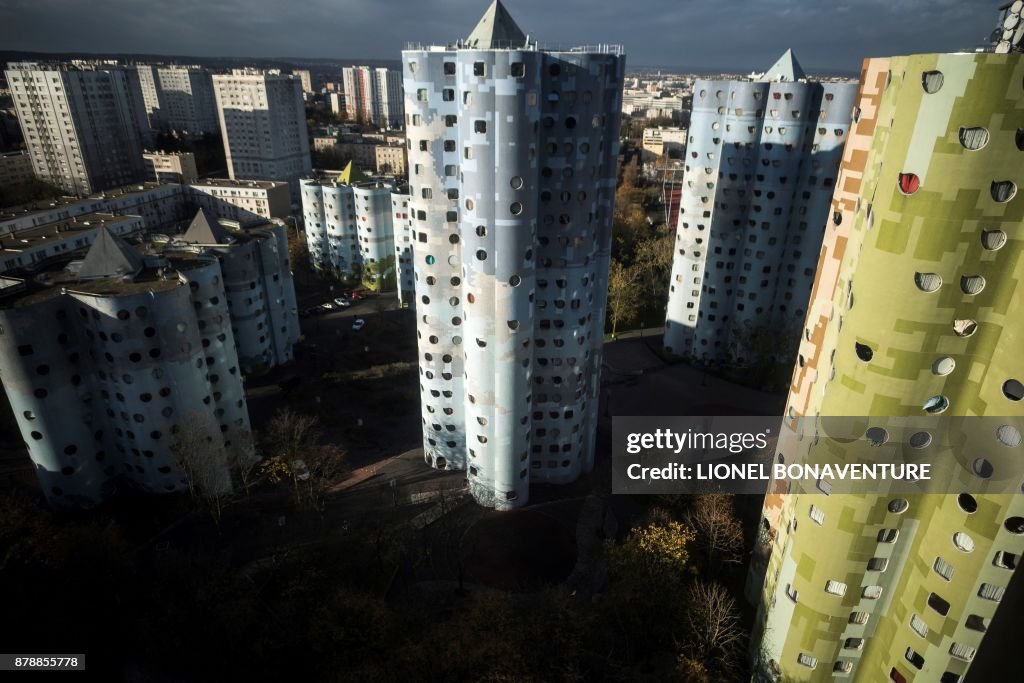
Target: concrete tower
107,361
350,228
512,176
912,314
84,124
257,284
263,122
761,164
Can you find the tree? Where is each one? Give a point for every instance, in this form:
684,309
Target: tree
292,442
381,276
653,260
715,637
657,550
623,294
324,463
719,532
198,450
243,460
289,434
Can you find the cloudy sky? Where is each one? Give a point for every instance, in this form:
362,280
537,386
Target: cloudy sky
701,34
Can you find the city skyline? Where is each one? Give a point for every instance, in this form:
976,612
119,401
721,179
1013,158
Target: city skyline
695,40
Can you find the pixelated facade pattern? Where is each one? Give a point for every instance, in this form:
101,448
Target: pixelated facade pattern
760,170
103,369
912,313
512,176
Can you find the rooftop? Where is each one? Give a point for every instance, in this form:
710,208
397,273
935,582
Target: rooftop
227,182
156,274
787,70
203,230
59,231
496,29
110,256
49,205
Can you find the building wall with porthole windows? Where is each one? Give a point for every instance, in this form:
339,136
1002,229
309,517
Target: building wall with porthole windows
912,314
511,186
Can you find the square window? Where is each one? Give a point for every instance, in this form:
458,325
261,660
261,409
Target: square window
448,94
479,69
479,126
449,68
518,70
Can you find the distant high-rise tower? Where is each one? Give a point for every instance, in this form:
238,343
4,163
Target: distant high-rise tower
305,78
187,102
263,121
761,164
512,179
912,314
84,125
374,95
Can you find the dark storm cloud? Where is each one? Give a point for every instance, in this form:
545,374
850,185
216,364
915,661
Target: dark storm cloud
702,34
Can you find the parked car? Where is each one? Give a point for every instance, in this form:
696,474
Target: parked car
342,303
356,296
358,324
327,306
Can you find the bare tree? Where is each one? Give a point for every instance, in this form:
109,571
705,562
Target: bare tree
324,463
291,442
715,636
243,460
289,434
199,452
719,532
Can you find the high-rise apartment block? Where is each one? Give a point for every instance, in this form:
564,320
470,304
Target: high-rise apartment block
912,314
84,124
374,95
761,165
305,79
263,121
184,99
512,178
